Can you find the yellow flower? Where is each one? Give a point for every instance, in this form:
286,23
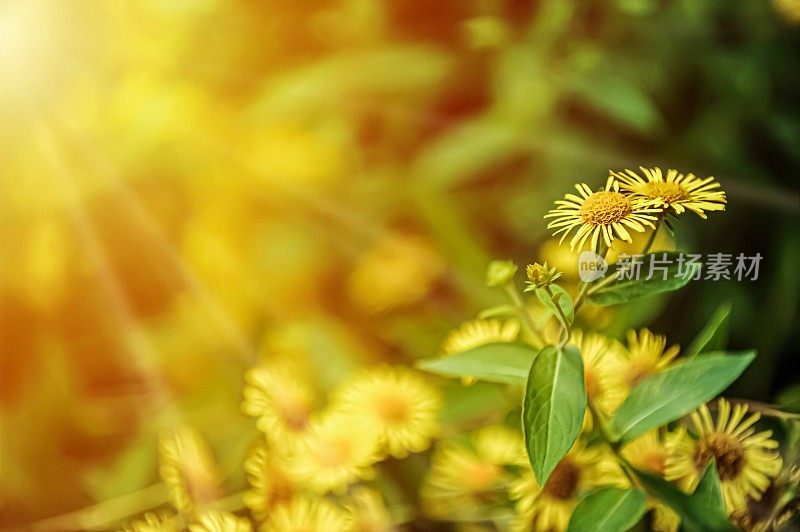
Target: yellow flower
215,521
398,402
337,450
649,453
746,460
368,511
281,402
540,276
599,354
188,470
605,213
270,483
676,192
154,523
549,508
304,514
465,480
480,332
646,353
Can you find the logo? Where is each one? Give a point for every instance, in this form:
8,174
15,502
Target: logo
591,266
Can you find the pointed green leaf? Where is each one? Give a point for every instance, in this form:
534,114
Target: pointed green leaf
715,328
608,510
708,493
695,515
553,408
641,283
503,363
670,394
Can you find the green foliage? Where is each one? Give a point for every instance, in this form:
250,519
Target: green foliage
624,290
608,510
553,408
562,299
710,337
502,363
670,394
703,511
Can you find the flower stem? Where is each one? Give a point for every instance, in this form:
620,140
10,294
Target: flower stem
652,238
566,330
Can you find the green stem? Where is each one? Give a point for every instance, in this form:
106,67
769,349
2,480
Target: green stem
566,330
522,310
614,447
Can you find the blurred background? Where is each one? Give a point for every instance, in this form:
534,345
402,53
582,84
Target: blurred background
190,186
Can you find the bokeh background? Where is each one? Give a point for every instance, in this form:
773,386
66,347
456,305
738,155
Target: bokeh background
190,186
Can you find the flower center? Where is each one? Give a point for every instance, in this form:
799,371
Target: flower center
604,207
563,481
392,409
654,461
480,476
727,451
668,192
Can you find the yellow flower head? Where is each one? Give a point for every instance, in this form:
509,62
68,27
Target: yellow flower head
674,192
368,512
154,523
646,353
599,355
746,460
305,514
465,479
606,213
649,453
540,276
281,402
549,508
215,521
270,483
337,450
398,402
188,470
480,332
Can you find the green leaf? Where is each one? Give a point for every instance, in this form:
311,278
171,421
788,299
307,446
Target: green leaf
699,511
503,363
608,510
624,290
553,408
710,335
622,101
670,394
708,493
499,310
563,299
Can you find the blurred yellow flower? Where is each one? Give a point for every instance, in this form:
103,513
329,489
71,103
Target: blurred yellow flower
280,400
399,402
153,523
337,451
188,470
465,480
745,460
649,453
270,483
476,333
549,509
368,512
646,353
305,514
674,192
604,213
397,270
599,356
216,521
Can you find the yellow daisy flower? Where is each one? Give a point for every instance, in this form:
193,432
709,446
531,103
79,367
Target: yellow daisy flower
674,192
646,353
270,483
606,213
466,479
188,470
549,509
281,402
368,512
649,453
398,402
215,521
746,460
599,353
337,450
304,514
154,523
476,333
